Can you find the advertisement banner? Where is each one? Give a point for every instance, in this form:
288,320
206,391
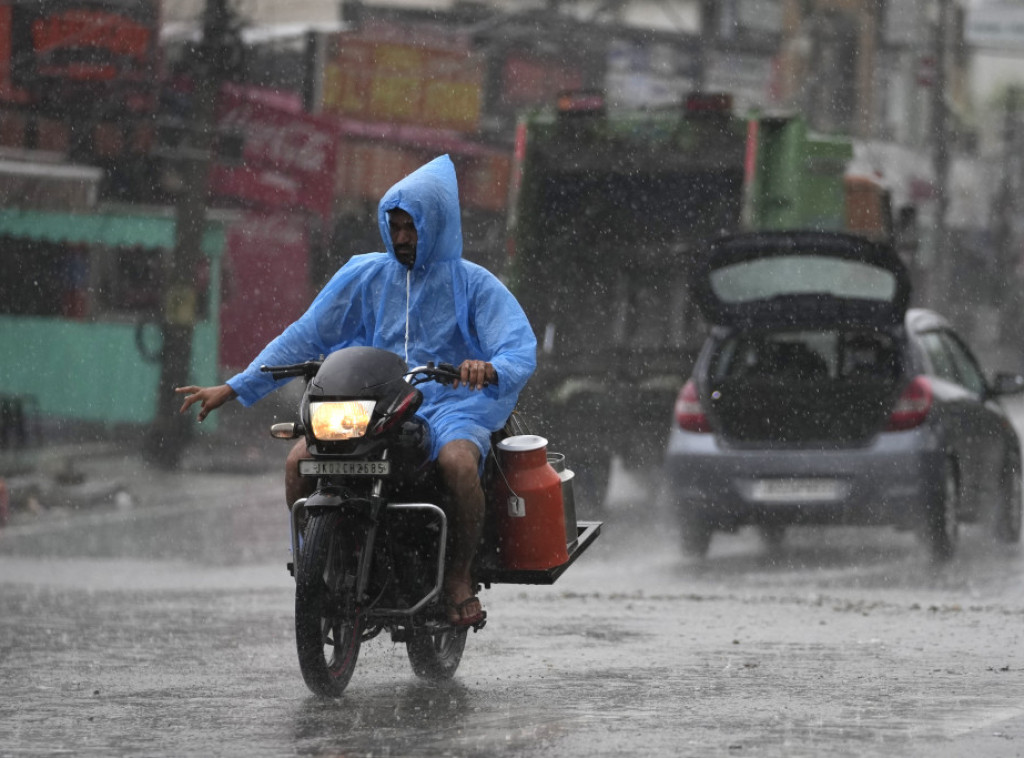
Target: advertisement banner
366,170
388,81
533,81
47,48
265,273
288,156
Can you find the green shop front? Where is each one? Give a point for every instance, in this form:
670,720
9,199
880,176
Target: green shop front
80,299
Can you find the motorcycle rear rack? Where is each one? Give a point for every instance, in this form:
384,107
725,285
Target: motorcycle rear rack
487,574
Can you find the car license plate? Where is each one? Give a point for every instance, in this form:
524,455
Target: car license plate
344,468
796,490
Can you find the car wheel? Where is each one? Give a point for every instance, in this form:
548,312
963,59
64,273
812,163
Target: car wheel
942,527
697,533
1008,517
773,535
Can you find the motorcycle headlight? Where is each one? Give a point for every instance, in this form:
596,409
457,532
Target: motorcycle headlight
336,420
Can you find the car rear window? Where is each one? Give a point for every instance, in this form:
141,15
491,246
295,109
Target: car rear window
765,278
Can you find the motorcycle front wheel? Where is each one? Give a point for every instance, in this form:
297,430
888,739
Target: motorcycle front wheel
328,632
436,655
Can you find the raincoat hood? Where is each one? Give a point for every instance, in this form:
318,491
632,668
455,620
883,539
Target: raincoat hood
431,196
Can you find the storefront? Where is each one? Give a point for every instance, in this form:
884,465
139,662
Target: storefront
79,307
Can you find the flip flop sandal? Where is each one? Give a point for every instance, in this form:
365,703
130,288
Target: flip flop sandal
458,608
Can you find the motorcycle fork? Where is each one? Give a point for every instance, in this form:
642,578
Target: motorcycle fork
381,558
370,555
368,550
298,523
369,543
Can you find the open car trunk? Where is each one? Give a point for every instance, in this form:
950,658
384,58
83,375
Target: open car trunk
810,341
826,387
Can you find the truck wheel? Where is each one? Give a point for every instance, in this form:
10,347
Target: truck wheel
587,451
773,535
941,522
697,533
591,484
1006,526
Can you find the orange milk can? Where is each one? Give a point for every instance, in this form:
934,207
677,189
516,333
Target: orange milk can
530,514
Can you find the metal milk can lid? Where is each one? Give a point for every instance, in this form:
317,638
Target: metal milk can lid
522,443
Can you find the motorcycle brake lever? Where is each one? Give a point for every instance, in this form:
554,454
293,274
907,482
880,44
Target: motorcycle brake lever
448,373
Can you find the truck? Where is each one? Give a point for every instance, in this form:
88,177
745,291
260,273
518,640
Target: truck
607,210
799,179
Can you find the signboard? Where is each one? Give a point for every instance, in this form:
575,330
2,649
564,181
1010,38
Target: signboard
48,47
265,274
746,18
648,75
996,26
388,81
530,81
288,156
368,164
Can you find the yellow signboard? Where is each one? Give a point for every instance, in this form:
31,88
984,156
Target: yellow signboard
392,82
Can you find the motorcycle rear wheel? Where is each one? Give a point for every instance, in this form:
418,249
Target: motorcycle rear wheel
328,633
436,656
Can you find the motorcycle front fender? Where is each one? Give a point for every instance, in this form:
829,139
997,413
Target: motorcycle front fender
360,508
326,499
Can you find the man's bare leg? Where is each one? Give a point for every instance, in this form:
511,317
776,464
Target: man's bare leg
296,486
459,462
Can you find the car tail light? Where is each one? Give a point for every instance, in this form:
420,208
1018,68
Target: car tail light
912,407
689,414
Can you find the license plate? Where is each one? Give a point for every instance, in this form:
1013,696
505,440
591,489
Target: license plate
344,468
796,490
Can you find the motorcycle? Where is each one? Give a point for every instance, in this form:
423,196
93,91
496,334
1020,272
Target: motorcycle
369,545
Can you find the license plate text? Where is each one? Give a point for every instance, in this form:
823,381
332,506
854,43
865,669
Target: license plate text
344,468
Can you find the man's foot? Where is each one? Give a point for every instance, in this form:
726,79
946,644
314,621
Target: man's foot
467,613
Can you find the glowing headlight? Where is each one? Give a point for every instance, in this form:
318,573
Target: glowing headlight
340,419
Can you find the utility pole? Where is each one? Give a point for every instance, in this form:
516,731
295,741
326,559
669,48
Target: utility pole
708,37
942,269
1004,280
170,432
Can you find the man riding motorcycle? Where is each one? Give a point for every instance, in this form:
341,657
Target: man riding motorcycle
421,300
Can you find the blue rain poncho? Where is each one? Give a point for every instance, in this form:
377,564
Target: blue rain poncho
443,309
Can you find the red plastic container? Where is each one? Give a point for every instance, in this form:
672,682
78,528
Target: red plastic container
530,515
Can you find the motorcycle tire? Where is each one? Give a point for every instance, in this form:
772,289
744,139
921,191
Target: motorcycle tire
327,633
436,655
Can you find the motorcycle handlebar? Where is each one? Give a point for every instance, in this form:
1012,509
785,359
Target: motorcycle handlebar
307,370
442,373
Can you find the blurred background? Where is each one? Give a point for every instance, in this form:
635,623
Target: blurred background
178,178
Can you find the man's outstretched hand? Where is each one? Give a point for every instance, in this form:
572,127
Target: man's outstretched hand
209,398
476,375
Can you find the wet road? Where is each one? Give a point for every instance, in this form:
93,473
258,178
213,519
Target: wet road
164,629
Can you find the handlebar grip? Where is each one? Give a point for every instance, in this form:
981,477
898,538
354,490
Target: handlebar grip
307,369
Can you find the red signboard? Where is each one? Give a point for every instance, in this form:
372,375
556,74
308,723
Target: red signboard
532,81
265,285
288,157
58,44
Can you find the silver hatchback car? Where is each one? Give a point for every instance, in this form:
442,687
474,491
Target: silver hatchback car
819,398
